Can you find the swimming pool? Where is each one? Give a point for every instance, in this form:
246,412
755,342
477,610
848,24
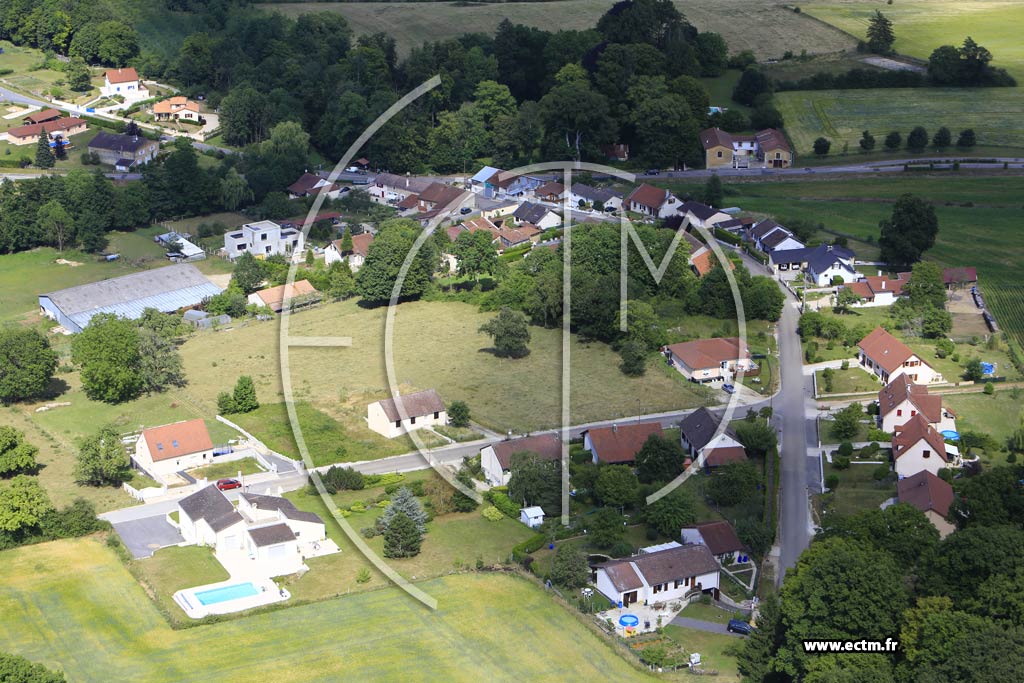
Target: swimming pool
225,593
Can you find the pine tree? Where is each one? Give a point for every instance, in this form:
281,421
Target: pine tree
867,141
405,502
714,195
244,396
44,157
880,34
346,242
402,538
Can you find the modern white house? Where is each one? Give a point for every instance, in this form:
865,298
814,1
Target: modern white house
496,458
421,409
769,236
660,576
828,263
532,516
262,239
163,451
699,438
901,400
124,82
207,517
917,446
710,360
886,357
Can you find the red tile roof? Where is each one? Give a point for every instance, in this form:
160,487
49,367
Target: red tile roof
44,115
550,188
885,349
649,196
912,432
177,440
621,443
51,127
125,75
409,202
547,446
715,137
902,389
770,138
708,353
716,457
274,296
926,492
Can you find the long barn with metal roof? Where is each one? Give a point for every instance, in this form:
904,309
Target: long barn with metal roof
166,289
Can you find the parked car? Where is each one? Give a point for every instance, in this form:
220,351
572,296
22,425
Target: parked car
653,171
738,626
729,388
464,210
228,484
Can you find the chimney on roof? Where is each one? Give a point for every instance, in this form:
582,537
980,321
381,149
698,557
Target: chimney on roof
883,283
879,272
615,428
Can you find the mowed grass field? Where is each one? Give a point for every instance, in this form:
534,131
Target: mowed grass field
923,25
841,116
411,24
72,605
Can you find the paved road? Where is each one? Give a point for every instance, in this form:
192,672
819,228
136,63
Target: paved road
701,625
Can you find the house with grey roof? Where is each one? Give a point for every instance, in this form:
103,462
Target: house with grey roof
537,214
393,417
207,517
660,576
167,289
700,438
607,199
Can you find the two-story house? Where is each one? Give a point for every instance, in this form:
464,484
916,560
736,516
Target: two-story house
262,239
698,433
660,576
886,357
917,446
901,399
124,82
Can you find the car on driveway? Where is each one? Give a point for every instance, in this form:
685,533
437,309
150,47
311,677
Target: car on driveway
739,626
228,484
729,388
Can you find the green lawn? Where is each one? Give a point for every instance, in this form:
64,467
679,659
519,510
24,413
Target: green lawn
715,650
71,605
410,22
171,569
857,491
850,381
841,116
998,415
228,469
923,25
697,610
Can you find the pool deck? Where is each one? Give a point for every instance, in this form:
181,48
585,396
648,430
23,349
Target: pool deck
269,594
647,615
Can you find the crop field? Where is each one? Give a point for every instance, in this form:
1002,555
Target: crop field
923,25
413,23
841,115
73,606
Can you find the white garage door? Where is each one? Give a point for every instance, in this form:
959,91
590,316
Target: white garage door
231,541
276,552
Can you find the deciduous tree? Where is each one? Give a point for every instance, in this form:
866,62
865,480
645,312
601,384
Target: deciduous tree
510,332
659,459
17,456
27,364
909,232
102,460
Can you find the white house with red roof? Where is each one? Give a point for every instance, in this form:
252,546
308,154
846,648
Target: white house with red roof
878,290
124,82
900,400
710,360
917,446
699,437
651,201
496,458
930,495
162,451
619,444
356,258
886,357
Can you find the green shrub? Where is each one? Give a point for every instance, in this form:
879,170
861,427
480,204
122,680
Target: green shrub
504,504
343,479
989,389
363,576
878,435
840,462
870,451
530,545
832,481
845,449
492,514
415,486
880,472
386,480
621,549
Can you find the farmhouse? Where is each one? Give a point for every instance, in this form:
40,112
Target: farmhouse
357,257
878,290
177,108
262,239
917,446
607,200
123,152
57,130
294,296
651,201
537,214
124,82
930,495
767,148
162,451
697,432
901,399
710,360
619,444
421,409
660,576
496,458
719,537
167,289
310,184
886,357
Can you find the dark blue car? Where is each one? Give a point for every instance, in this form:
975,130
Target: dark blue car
741,627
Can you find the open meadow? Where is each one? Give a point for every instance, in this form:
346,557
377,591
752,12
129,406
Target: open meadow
842,115
412,23
72,605
923,25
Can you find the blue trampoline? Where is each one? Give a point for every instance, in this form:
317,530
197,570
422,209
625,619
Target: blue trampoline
629,620
950,434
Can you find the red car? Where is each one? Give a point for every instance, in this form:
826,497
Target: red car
228,484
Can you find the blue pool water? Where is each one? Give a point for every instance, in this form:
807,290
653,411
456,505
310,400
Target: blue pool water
225,593
628,620
950,434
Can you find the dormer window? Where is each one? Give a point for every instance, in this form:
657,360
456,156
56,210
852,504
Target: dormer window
159,446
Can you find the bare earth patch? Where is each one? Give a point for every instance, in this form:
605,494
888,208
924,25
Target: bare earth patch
65,262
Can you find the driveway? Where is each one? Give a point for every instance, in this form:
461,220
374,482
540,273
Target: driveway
701,625
145,536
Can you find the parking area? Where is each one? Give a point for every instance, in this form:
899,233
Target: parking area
145,536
